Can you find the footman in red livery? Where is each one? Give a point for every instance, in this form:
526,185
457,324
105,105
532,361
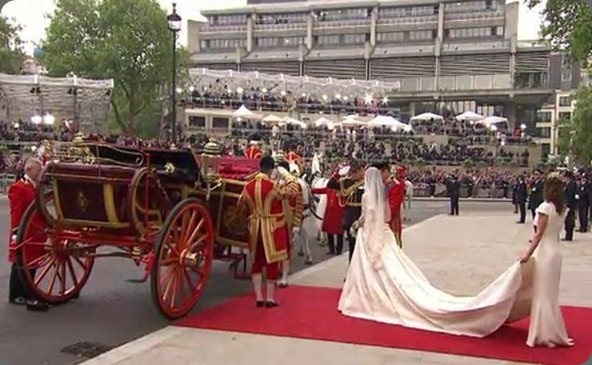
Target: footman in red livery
261,199
332,219
21,195
254,150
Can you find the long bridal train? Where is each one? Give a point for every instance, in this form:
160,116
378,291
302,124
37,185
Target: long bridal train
392,289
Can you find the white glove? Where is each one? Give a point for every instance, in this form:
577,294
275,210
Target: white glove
296,231
344,171
283,172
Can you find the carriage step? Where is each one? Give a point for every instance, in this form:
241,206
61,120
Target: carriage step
86,349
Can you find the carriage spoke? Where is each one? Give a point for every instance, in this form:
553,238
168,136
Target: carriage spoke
165,295
38,262
63,277
176,277
199,241
72,272
44,271
195,232
52,281
187,225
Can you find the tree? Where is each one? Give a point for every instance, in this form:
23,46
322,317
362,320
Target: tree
580,128
11,53
126,40
568,25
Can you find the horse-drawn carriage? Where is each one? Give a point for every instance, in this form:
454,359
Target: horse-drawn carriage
172,211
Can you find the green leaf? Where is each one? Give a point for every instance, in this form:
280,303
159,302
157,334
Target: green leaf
11,52
126,40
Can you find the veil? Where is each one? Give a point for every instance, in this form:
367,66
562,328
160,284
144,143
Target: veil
375,212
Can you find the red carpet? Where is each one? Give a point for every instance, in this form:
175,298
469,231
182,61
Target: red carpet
311,313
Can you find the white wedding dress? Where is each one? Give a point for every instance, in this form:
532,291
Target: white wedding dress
384,285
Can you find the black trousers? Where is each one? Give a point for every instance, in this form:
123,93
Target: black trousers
522,209
335,243
17,287
570,223
350,215
583,218
533,212
454,205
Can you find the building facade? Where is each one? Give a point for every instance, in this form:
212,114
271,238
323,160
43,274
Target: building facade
460,55
565,77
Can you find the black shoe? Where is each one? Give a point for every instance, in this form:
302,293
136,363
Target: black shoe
330,253
18,301
520,222
37,306
271,304
260,304
283,285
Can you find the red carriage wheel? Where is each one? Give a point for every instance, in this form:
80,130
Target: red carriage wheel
184,253
53,270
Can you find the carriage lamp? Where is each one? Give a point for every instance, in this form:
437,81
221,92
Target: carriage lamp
174,25
210,160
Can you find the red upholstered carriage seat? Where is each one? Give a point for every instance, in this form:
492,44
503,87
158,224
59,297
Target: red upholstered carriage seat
238,168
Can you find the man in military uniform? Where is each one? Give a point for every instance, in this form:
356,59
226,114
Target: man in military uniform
350,189
519,197
570,192
583,203
294,210
535,193
261,199
254,150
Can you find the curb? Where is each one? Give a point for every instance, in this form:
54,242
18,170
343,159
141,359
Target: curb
476,200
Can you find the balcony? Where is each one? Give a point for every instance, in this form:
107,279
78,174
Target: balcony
223,28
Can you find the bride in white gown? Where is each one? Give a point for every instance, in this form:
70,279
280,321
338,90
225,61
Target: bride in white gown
384,285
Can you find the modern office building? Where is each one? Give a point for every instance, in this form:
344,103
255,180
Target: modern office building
460,55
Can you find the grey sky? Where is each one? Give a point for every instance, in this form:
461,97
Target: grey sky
35,22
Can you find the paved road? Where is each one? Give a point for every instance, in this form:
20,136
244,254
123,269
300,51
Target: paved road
112,311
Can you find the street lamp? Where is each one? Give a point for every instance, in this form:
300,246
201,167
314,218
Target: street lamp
174,25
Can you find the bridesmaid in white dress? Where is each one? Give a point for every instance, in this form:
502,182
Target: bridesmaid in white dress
547,327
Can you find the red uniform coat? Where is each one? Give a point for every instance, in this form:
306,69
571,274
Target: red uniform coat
332,220
293,157
395,194
293,206
20,195
262,199
253,152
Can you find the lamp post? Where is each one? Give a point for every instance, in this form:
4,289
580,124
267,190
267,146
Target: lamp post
174,25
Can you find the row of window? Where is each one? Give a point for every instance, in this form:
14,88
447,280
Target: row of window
356,13
473,32
334,39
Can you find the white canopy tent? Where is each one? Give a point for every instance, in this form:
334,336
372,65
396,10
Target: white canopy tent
245,113
351,121
292,121
469,116
384,121
272,118
427,116
324,122
493,120
247,83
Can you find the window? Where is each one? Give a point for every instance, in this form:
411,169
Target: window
566,69
392,37
328,39
544,132
285,42
219,123
544,117
564,117
197,121
420,35
565,101
488,4
354,38
224,43
546,148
